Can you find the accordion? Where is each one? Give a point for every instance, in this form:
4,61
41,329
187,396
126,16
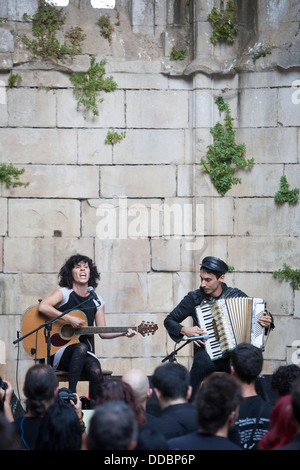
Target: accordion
229,322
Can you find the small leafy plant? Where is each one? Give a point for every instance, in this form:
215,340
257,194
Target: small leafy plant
177,54
224,156
106,27
10,175
114,137
46,22
290,275
285,194
223,23
14,80
89,85
261,52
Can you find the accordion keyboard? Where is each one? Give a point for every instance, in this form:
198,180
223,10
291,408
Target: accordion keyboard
205,321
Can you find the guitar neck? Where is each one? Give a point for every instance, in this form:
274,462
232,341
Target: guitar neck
93,330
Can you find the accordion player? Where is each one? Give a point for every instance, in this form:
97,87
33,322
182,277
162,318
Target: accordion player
231,321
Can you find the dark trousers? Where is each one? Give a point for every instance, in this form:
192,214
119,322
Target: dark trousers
203,366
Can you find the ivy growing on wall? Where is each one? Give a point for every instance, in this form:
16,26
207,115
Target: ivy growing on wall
89,85
224,156
290,275
46,22
285,194
224,23
10,175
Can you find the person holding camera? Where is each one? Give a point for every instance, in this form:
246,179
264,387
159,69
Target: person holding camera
44,402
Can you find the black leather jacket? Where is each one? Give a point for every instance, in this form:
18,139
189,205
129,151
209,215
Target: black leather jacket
187,306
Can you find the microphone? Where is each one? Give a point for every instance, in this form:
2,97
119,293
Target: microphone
93,294
193,338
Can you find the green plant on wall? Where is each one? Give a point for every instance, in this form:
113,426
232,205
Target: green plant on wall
290,275
285,194
106,28
88,86
114,137
224,156
10,175
177,54
224,23
14,80
46,22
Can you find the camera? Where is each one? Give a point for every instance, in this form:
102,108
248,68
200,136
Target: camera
2,384
66,395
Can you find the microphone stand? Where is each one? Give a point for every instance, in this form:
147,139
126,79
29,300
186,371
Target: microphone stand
171,357
48,327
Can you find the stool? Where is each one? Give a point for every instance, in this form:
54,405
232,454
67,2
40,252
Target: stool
63,376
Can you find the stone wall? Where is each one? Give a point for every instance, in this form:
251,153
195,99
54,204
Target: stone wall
143,208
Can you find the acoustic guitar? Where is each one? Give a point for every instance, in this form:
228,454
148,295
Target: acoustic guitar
63,334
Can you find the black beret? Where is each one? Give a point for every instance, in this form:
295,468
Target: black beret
214,264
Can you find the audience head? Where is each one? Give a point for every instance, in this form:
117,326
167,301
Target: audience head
113,426
139,383
117,389
283,378
60,428
217,402
296,402
282,426
171,381
246,362
40,388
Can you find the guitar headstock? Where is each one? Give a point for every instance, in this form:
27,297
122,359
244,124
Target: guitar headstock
145,328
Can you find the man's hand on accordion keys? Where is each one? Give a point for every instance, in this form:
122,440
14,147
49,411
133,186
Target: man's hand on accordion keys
191,331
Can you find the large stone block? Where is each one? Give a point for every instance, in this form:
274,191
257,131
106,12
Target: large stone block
92,149
289,106
166,255
277,145
150,147
123,255
31,108
123,292
157,109
122,218
57,181
24,145
259,216
138,181
44,218
264,253
259,181
111,111
258,108
160,292
39,255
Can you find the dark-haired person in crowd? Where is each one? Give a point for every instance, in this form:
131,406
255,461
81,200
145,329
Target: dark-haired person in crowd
295,392
283,377
40,389
213,287
113,426
171,384
76,275
254,414
217,403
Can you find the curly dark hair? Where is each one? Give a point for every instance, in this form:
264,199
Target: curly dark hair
65,273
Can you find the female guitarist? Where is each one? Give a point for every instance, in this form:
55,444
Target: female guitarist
76,275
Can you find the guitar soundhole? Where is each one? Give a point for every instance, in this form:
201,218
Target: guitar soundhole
67,331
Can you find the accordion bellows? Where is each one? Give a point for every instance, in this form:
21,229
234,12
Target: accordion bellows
230,322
